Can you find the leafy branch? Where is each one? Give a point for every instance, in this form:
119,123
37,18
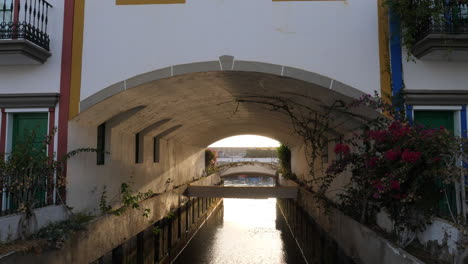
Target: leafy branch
128,200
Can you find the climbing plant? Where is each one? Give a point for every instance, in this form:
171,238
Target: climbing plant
128,200
210,161
311,120
387,162
418,16
284,158
27,173
397,166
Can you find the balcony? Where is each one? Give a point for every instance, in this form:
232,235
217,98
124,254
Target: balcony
23,32
444,37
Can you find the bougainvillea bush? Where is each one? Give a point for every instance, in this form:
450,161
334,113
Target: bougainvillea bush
397,166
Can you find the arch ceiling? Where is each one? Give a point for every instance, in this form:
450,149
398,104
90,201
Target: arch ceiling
204,105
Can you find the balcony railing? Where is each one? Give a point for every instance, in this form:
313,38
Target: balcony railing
454,20
25,19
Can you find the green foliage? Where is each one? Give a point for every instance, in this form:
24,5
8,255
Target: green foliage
56,234
396,166
156,230
210,161
284,157
417,15
170,216
260,153
128,200
27,171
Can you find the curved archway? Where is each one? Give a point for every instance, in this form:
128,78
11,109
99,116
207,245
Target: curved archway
200,97
178,111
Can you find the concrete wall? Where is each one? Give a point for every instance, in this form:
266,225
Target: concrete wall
43,217
111,234
441,238
179,164
338,39
357,241
44,78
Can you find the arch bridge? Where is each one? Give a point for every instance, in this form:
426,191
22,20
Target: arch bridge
248,168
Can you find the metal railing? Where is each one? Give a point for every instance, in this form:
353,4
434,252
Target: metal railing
25,19
453,20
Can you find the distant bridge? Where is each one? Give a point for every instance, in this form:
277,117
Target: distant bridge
248,168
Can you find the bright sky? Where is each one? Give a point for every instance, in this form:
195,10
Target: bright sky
246,141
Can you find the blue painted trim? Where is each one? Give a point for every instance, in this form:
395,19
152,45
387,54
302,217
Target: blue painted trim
409,113
464,125
396,61
464,132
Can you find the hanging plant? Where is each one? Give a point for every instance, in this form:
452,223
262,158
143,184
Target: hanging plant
420,17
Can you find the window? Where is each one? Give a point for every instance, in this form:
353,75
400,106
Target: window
6,11
156,147
101,144
324,151
137,148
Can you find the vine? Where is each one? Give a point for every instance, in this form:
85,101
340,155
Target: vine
128,200
27,173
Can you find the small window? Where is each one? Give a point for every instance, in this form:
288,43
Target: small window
137,148
101,143
156,147
325,153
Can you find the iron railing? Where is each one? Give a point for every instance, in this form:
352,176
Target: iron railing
25,19
453,20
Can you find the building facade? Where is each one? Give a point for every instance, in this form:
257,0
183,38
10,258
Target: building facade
153,81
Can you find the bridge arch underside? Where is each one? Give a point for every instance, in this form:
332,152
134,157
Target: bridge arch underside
187,113
203,108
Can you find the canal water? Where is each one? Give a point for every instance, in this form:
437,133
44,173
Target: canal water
244,231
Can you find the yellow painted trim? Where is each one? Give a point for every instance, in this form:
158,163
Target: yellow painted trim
148,2
308,0
384,53
77,53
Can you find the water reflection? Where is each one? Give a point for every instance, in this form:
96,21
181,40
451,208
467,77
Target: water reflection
245,231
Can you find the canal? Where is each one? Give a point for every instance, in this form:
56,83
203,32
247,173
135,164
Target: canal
244,231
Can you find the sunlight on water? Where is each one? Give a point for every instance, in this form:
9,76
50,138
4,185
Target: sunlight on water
249,233
244,231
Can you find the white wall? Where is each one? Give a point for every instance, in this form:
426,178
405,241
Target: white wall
179,163
338,39
435,75
43,78
43,216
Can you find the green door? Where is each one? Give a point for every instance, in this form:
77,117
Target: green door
23,125
437,119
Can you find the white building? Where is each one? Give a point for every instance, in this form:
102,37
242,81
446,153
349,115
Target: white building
154,82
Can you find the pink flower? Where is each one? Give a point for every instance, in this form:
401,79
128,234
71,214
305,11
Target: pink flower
398,129
378,185
411,156
372,162
392,154
395,185
379,135
342,148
